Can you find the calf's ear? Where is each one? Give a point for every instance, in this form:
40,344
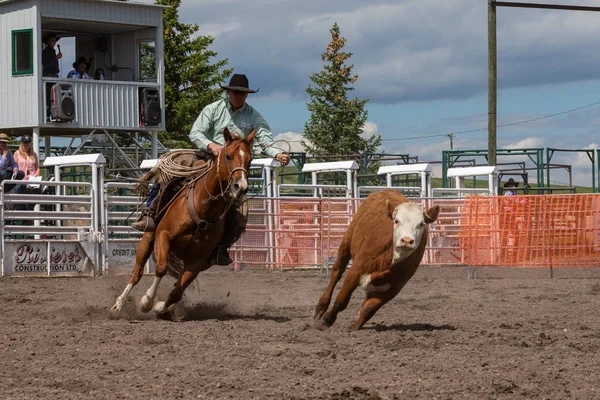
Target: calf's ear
431,215
391,210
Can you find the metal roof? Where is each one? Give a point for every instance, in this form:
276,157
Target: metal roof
330,166
404,169
472,171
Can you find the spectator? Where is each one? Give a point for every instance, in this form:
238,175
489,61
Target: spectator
99,74
8,166
27,160
510,237
509,186
79,69
49,56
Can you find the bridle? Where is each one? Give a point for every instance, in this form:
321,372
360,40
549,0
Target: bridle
229,180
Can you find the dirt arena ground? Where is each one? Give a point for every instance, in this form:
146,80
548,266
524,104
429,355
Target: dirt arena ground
248,335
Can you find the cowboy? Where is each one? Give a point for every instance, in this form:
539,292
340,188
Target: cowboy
240,118
509,185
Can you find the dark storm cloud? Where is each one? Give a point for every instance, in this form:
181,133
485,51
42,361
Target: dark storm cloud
403,51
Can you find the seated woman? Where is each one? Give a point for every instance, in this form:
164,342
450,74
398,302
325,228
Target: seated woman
79,69
27,161
8,165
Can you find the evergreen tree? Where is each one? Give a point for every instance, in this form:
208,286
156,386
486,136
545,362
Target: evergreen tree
336,122
191,76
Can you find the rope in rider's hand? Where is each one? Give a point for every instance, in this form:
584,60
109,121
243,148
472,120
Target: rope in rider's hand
272,145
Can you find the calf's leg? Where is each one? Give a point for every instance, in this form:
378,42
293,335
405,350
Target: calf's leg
373,302
343,298
343,258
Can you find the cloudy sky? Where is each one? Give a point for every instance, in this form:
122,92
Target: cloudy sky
423,65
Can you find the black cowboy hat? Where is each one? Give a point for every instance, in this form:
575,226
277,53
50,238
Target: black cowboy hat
81,60
46,38
238,82
511,183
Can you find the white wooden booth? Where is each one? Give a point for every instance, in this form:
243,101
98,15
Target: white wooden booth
125,39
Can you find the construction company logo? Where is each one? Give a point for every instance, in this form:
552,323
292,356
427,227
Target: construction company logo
28,258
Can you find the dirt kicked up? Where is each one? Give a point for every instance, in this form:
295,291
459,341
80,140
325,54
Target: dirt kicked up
509,334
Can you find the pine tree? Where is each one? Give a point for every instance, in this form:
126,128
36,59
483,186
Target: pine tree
191,76
336,122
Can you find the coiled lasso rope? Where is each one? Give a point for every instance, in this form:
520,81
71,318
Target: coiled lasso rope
174,164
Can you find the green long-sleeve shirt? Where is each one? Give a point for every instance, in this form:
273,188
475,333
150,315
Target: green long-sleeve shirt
216,116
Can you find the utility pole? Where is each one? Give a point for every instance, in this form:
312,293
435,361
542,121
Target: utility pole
492,83
451,136
492,60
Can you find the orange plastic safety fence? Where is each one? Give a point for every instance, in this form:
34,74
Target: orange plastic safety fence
528,231
532,231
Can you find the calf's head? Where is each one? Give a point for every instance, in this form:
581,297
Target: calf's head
409,225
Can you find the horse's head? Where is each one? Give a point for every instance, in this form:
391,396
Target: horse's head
236,156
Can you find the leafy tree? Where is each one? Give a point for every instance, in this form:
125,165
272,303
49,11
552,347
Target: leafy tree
191,76
147,60
336,122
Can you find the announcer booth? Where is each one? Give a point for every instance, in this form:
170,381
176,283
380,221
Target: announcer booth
55,231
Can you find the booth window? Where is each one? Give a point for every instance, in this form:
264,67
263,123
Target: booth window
147,59
22,52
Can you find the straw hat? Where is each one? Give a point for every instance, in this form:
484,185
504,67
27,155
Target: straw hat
4,138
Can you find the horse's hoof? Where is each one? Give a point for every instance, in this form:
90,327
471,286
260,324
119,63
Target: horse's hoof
118,305
321,325
168,316
320,310
146,304
160,308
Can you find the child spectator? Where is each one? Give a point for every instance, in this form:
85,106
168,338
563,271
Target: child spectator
99,74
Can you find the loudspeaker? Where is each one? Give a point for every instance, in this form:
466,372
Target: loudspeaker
149,106
102,43
63,106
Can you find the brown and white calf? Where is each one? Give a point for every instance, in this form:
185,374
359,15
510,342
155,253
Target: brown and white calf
386,242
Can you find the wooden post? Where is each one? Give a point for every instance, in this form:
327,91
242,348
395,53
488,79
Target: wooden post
492,83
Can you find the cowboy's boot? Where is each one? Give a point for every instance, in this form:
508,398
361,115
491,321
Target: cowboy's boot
221,256
145,222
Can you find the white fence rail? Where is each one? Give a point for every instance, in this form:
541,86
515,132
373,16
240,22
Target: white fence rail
46,234
73,229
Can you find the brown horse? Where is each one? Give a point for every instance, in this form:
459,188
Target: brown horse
225,183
